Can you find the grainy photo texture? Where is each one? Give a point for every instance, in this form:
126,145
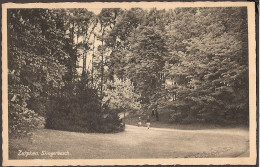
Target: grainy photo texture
123,82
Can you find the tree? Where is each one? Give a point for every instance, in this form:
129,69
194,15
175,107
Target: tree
119,38
107,19
211,58
120,95
36,66
145,62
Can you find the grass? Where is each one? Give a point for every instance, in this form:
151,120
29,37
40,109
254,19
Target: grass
134,142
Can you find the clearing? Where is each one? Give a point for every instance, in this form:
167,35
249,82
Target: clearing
134,142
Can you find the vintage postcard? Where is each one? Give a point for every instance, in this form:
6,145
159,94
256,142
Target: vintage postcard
129,83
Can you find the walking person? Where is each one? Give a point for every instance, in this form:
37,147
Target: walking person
157,115
148,122
153,113
139,122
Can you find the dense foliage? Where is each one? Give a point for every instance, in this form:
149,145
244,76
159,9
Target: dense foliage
211,62
79,110
120,95
191,63
42,57
35,61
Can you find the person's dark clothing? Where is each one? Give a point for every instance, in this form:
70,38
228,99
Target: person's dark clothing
152,113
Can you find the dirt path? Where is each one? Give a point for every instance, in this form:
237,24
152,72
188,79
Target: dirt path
135,142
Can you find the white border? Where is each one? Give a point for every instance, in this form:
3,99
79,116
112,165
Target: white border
167,5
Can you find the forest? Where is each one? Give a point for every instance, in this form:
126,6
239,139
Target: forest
75,70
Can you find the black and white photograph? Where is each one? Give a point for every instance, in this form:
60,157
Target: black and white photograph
129,83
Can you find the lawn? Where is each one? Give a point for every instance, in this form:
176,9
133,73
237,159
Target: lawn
134,142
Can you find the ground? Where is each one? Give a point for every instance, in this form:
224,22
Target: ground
135,142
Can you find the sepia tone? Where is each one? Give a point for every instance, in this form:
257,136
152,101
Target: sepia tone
129,83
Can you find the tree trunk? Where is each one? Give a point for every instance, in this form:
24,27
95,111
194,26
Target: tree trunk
84,57
124,117
102,64
92,68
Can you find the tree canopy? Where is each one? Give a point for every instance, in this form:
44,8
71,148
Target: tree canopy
189,62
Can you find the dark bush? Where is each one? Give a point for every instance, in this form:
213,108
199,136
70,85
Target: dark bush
81,112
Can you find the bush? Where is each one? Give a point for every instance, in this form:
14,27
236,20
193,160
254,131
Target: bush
81,112
22,120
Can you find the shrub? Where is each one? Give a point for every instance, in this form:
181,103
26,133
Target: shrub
81,112
22,120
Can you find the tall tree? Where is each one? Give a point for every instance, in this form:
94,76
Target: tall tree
36,61
107,19
211,57
120,95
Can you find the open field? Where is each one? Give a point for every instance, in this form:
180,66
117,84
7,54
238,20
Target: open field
134,142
